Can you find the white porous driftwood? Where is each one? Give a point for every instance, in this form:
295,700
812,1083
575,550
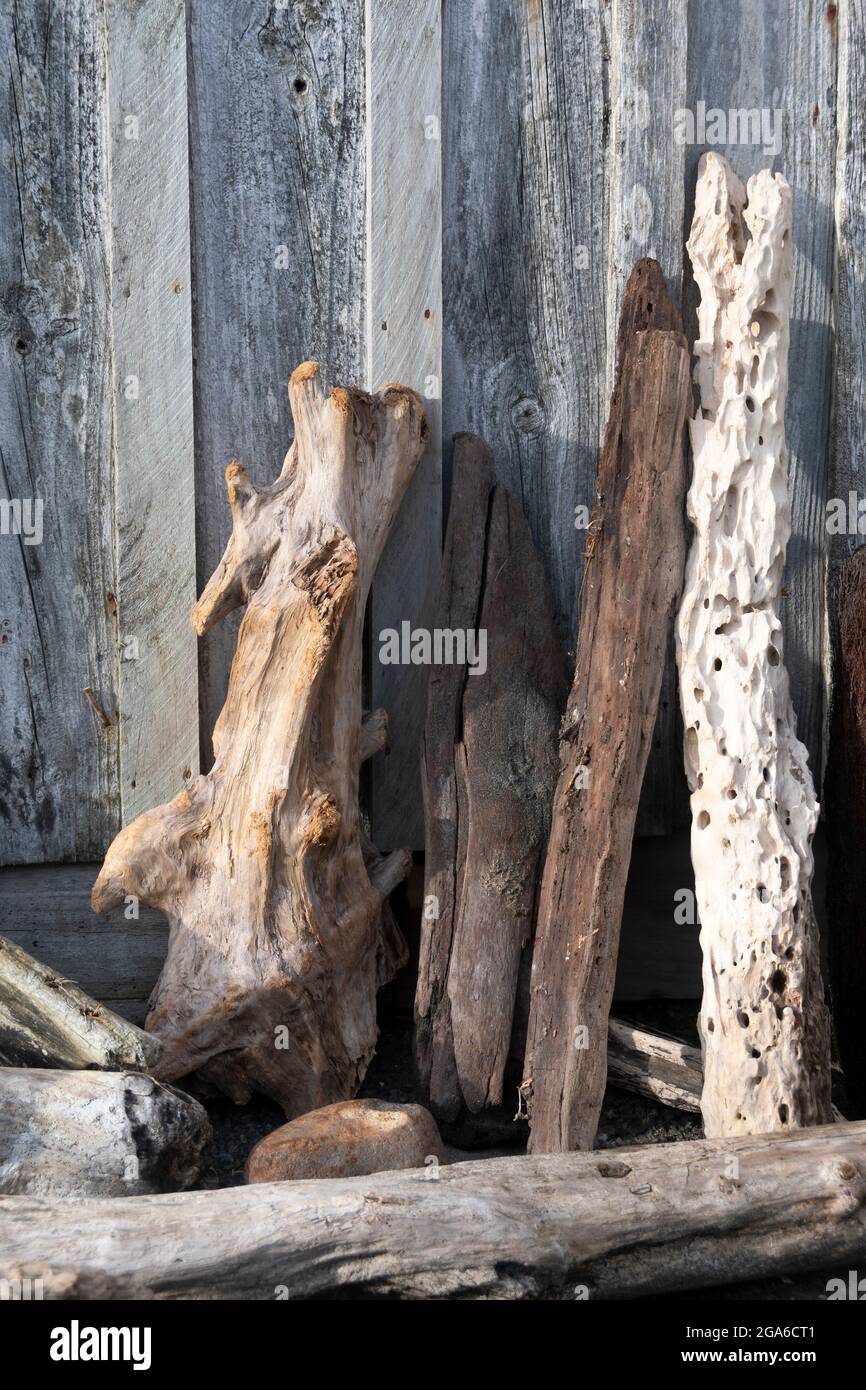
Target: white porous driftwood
278,937
616,1223
764,1024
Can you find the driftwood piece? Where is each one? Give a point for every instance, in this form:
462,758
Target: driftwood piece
96,1134
631,583
277,944
488,773
764,1024
46,1021
845,802
654,1065
612,1224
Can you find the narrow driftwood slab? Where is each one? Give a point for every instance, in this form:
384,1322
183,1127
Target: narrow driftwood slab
489,769
46,1021
631,583
845,809
653,1065
613,1224
96,1134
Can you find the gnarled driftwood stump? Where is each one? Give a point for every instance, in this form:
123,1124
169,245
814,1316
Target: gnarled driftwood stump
277,940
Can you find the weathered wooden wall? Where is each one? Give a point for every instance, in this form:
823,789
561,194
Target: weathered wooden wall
278,193
60,794
479,177
96,421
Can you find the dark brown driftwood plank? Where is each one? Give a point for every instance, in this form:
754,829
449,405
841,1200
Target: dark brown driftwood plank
488,769
845,808
631,582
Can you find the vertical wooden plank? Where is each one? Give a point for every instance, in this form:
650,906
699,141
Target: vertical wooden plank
153,425
782,58
404,343
59,792
843,786
278,231
647,190
848,438
526,172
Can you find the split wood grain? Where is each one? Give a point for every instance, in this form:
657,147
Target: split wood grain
654,1065
489,768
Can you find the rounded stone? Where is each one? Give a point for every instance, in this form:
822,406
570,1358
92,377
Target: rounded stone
347,1139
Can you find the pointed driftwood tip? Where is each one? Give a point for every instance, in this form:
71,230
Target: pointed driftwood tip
304,373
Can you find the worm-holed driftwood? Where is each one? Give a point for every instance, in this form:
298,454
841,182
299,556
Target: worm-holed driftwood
763,1021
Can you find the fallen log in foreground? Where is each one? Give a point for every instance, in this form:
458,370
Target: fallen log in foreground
46,1021
607,1224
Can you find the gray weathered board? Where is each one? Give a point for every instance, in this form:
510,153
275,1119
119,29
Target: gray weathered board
95,422
278,193
299,209
848,438
404,343
154,485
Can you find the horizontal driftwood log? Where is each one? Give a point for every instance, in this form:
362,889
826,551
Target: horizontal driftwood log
46,1021
609,1224
96,1134
654,1065
489,768
631,582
